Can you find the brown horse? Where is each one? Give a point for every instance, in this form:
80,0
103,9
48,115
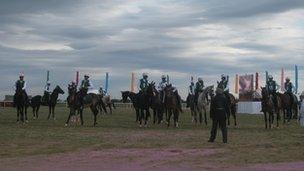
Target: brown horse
79,102
286,106
171,105
106,100
268,107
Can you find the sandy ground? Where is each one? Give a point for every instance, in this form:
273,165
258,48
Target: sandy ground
132,160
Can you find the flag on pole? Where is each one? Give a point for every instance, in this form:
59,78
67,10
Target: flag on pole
77,78
107,82
257,80
168,79
47,75
282,79
296,78
236,84
132,82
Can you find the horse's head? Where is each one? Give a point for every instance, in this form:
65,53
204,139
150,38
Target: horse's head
265,93
125,95
71,89
151,88
58,90
168,90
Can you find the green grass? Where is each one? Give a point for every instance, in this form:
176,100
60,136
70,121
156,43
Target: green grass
248,143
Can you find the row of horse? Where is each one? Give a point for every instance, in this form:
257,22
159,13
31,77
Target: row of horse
167,105
21,102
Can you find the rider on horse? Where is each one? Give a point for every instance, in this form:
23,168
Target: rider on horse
143,83
191,92
86,84
272,88
72,87
177,96
223,84
161,86
102,92
21,83
289,89
47,92
199,87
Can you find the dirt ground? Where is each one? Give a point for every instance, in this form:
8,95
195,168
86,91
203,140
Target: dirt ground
134,159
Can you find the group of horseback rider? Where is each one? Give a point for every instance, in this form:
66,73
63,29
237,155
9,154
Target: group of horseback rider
195,89
86,85
272,87
163,84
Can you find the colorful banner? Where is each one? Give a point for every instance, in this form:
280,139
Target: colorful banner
107,82
236,90
282,79
132,82
77,78
245,84
296,78
257,81
47,75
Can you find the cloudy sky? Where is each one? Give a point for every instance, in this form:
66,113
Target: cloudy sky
175,37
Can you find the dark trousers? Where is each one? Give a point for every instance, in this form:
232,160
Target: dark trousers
222,124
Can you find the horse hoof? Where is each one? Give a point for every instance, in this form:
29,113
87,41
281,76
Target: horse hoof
140,126
65,125
26,121
54,119
176,125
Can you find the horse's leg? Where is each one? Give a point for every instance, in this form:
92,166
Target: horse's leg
69,117
278,118
169,116
265,119
270,116
53,112
205,115
147,117
110,106
95,112
49,113
228,117
34,112
18,113
234,114
176,114
81,116
154,115
141,116
37,111
25,113
201,116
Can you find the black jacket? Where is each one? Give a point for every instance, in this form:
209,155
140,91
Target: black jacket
219,107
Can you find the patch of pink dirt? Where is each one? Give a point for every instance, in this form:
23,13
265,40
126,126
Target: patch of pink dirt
133,160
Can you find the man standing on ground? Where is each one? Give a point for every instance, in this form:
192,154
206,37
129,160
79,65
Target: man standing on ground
218,111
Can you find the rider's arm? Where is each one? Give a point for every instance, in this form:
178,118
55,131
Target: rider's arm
90,85
24,86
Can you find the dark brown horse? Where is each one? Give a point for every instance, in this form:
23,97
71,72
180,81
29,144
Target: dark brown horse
36,103
21,104
156,104
286,106
79,102
134,99
171,105
268,107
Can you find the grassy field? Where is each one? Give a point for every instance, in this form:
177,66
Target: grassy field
249,143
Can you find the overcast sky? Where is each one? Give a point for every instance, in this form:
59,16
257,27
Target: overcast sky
178,38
